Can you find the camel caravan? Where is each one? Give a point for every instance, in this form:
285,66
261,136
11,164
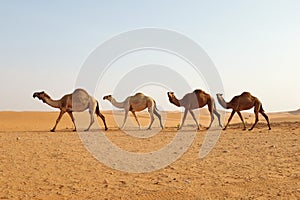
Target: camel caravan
80,100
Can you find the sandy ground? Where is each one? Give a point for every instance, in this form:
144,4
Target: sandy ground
38,164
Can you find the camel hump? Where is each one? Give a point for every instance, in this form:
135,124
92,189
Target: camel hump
80,97
246,94
198,91
138,94
80,90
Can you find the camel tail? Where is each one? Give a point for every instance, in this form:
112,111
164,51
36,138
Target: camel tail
261,109
97,111
213,103
215,107
155,107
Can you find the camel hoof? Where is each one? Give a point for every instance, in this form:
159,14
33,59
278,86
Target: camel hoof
86,130
245,129
250,129
106,129
74,130
224,129
52,130
269,128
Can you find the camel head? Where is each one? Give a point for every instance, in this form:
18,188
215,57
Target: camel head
219,96
171,95
173,99
41,95
107,97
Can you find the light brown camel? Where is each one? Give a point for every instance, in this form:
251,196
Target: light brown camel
136,103
194,100
241,102
78,101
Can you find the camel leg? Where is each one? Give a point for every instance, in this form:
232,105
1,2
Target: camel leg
231,115
241,117
58,119
256,119
266,117
125,118
183,119
136,119
159,117
92,120
150,110
73,120
219,117
103,119
193,115
212,117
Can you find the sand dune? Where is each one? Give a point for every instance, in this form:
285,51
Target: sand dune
296,112
38,164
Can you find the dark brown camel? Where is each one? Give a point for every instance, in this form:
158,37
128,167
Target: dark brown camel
194,100
241,102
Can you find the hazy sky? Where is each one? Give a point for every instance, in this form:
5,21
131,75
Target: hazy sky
255,45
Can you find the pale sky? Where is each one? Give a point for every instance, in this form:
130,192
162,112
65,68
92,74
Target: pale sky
254,44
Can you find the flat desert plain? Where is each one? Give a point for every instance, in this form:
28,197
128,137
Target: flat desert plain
38,164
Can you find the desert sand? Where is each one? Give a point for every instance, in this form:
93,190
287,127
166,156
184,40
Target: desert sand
38,164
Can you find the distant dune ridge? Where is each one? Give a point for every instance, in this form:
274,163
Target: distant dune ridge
295,112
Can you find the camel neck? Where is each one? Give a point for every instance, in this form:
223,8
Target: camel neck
117,104
222,102
51,102
176,102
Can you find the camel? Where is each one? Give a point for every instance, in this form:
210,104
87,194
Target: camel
241,102
196,99
78,101
136,103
